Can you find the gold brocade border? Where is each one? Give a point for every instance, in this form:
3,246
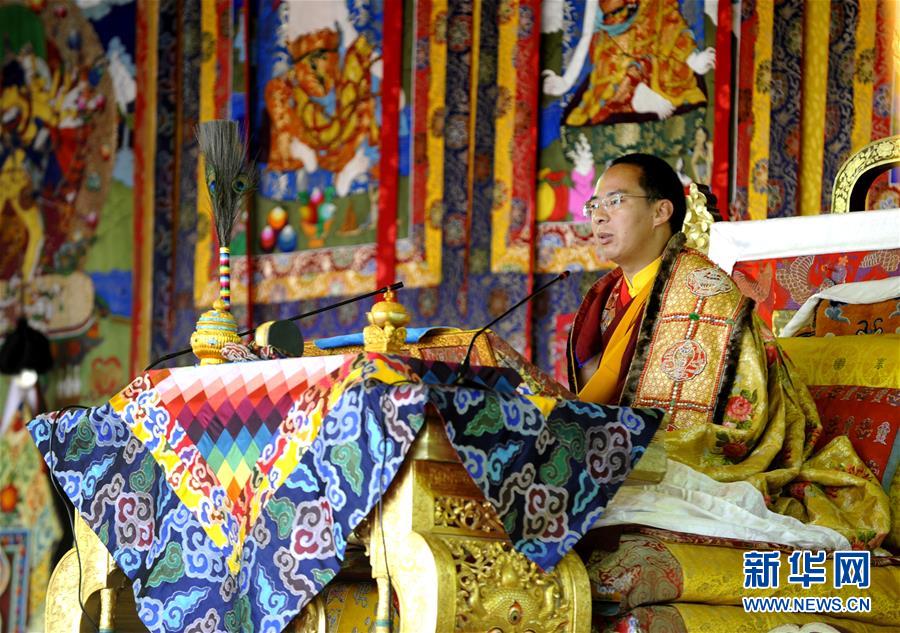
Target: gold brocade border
206,288
713,575
706,323
504,256
702,618
816,23
428,272
757,192
484,352
863,361
863,78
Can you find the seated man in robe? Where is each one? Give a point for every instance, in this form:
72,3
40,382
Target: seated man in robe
669,329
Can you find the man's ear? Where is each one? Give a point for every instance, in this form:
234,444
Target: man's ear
664,211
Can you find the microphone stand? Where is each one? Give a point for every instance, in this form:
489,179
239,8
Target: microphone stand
394,286
464,366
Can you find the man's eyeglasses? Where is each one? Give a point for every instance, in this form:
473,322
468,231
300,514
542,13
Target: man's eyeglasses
609,203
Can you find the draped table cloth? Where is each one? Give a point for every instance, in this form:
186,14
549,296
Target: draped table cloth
227,493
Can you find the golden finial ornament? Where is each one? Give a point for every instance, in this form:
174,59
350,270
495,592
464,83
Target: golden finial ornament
215,328
230,178
386,332
697,221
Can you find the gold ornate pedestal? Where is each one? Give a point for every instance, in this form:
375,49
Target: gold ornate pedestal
449,559
386,332
105,590
215,329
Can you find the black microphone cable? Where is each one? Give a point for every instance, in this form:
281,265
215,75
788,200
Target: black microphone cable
67,502
464,366
381,492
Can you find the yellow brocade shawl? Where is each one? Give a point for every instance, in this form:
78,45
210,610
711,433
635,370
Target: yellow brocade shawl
735,408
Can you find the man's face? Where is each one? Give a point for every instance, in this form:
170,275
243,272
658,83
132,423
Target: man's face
623,231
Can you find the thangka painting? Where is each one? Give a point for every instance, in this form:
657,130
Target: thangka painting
618,76
13,580
26,506
789,143
69,187
330,132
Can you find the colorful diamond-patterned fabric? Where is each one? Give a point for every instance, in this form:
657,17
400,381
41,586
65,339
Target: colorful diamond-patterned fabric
227,493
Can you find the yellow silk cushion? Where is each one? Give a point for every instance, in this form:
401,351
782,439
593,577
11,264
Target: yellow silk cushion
893,537
863,361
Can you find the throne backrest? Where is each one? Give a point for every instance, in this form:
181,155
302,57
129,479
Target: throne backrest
781,262
856,175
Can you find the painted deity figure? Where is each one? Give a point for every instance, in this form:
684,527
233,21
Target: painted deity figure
322,110
46,120
701,156
643,58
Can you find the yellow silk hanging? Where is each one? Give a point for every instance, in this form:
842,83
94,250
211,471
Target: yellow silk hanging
601,388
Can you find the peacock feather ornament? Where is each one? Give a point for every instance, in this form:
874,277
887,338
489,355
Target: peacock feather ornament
230,178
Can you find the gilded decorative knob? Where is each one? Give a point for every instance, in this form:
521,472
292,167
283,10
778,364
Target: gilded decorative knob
697,221
388,311
386,332
215,328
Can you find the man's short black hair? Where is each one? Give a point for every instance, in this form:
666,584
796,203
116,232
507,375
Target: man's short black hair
660,182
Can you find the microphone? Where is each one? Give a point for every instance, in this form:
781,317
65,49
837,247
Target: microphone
269,325
464,366
283,336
